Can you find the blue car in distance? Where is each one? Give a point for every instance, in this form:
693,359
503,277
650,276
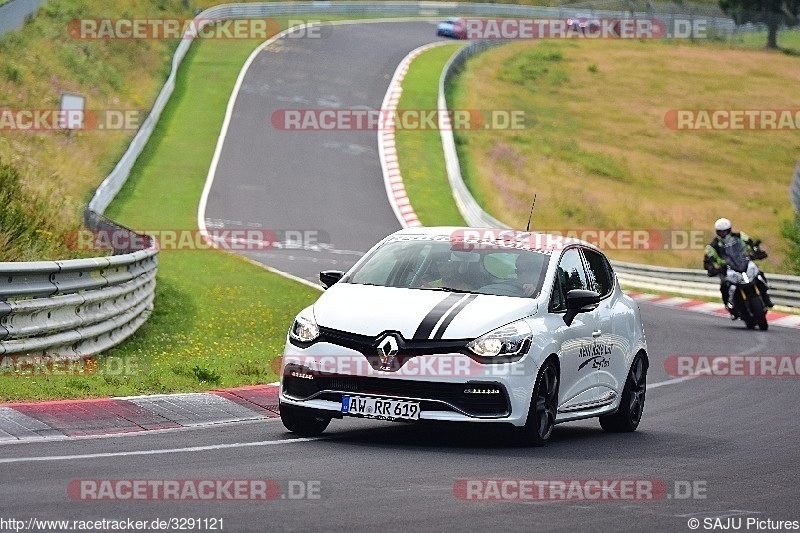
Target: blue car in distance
453,27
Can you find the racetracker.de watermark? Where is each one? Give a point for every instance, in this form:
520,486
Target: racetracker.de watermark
311,367
588,490
643,240
580,28
399,119
71,119
195,489
190,240
198,28
733,119
48,365
769,366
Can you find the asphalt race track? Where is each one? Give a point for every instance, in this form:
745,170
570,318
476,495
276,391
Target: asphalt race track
734,437
722,447
328,183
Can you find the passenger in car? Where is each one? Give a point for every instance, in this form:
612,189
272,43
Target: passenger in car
528,269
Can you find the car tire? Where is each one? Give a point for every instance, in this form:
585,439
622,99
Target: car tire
631,405
301,422
544,406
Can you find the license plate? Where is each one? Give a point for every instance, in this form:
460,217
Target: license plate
382,408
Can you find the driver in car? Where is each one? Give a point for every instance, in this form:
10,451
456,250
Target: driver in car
450,274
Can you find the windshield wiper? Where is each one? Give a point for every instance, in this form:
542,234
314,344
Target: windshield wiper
449,289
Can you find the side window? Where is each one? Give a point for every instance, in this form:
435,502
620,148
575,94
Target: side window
599,275
569,275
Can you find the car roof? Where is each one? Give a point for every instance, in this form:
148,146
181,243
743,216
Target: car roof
507,237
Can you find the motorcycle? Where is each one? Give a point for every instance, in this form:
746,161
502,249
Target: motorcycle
746,290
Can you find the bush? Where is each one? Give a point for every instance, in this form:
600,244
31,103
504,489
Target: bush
12,73
28,229
791,232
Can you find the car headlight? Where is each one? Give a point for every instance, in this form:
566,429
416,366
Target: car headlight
511,339
304,328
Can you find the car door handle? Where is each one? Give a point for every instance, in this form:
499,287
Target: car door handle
597,333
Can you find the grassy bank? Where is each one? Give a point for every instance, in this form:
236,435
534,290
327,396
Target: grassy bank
598,151
41,61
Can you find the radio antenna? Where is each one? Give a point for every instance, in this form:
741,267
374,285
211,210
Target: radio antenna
528,227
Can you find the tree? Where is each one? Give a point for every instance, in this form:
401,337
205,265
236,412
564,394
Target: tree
773,13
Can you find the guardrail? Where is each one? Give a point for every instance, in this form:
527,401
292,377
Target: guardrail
473,213
785,290
79,307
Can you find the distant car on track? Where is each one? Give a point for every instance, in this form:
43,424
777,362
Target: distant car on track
584,24
465,325
452,27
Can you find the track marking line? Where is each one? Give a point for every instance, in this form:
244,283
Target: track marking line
192,449
674,381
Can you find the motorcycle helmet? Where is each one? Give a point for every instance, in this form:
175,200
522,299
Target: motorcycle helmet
722,227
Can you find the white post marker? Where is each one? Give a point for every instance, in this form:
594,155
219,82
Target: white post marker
72,112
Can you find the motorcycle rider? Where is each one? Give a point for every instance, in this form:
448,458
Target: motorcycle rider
733,249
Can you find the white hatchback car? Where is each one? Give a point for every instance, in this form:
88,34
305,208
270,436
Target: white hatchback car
466,325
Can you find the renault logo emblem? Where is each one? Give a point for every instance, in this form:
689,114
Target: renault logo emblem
387,350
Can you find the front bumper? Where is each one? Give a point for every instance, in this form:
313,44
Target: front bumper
448,387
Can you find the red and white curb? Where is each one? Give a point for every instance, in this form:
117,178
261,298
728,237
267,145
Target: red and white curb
387,150
710,308
109,416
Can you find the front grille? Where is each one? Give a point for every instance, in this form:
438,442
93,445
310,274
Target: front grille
479,405
368,345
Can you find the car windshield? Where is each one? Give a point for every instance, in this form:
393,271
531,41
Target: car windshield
429,264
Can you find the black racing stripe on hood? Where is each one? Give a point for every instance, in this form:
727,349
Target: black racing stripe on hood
452,314
429,322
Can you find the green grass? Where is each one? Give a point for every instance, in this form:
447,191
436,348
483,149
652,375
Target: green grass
788,40
29,232
419,151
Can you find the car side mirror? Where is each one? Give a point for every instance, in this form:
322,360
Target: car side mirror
330,277
580,301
